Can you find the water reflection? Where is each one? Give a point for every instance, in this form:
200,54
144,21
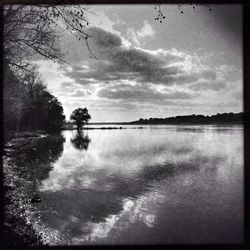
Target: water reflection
35,160
139,186
80,141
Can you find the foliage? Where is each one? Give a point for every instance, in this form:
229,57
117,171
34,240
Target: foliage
44,108
30,32
29,105
80,116
160,16
46,112
13,100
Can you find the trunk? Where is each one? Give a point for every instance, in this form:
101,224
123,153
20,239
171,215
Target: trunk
79,128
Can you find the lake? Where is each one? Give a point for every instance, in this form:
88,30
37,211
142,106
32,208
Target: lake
156,185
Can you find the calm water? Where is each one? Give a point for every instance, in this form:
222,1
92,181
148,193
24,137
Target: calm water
157,185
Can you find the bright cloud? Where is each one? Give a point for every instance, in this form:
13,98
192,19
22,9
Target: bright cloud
146,30
137,36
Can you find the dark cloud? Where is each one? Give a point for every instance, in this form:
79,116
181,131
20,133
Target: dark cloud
139,94
102,39
116,63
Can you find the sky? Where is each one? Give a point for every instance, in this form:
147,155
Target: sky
191,63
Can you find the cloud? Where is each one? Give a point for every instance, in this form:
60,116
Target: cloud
137,36
66,84
238,95
117,62
132,36
146,30
208,85
104,40
122,76
81,93
142,93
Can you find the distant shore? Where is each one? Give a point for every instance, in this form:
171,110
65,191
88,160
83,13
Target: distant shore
224,118
148,124
218,119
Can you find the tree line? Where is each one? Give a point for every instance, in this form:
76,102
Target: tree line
197,119
33,32
28,104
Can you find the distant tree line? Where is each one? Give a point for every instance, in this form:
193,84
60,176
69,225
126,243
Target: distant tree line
196,119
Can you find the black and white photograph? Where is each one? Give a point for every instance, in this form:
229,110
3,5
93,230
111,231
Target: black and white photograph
122,124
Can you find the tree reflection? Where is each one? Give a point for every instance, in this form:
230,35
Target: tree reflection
80,141
34,161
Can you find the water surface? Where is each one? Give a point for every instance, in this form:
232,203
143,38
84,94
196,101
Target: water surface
157,185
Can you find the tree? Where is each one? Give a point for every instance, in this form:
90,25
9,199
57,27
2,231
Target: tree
46,112
28,104
30,30
160,16
13,101
55,116
80,116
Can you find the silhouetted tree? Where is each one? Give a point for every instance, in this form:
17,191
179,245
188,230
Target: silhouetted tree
30,30
55,115
28,104
41,109
80,117
13,100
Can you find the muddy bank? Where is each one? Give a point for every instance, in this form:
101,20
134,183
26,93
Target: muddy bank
22,226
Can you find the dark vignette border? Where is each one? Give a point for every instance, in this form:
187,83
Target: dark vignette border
246,94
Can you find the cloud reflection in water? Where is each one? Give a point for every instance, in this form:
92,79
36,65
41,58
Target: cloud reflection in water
125,177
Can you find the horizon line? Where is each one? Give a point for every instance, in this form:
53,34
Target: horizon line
118,122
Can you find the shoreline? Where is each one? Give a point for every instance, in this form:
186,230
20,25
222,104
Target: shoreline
17,229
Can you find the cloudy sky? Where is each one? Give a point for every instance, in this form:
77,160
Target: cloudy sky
191,63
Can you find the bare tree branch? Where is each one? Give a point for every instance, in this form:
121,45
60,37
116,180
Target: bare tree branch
30,30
